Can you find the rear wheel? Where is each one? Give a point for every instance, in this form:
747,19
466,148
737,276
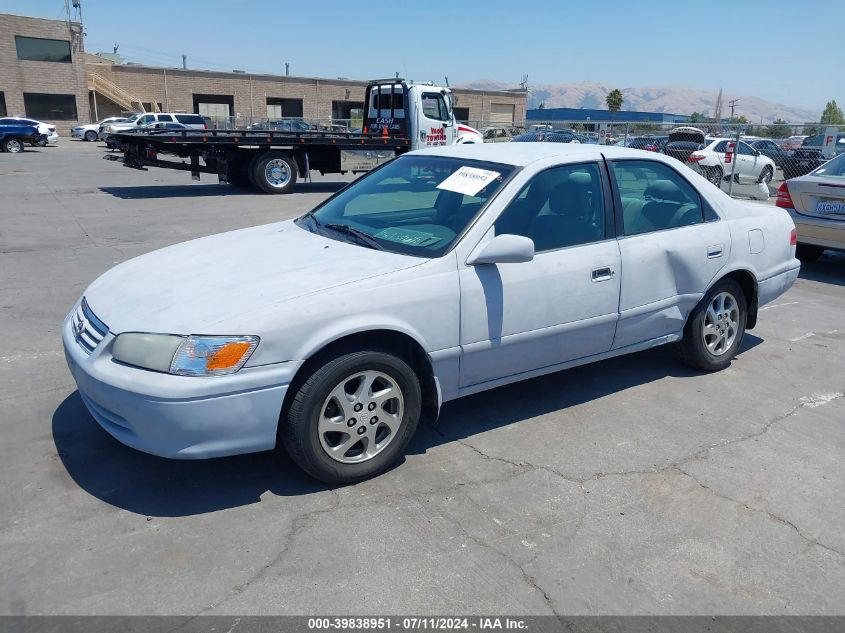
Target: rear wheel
766,175
715,328
40,142
12,146
274,172
714,175
90,136
353,417
808,252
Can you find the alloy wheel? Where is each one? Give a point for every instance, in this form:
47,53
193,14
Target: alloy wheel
721,323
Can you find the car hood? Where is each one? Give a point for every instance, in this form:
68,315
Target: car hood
207,285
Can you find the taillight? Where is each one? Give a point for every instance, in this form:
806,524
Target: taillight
784,199
793,238
650,148
694,158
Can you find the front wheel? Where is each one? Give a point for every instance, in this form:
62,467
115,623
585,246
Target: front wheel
766,175
12,146
353,417
90,136
715,328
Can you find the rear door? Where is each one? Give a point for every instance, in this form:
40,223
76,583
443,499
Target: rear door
672,245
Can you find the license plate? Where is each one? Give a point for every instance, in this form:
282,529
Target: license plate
823,206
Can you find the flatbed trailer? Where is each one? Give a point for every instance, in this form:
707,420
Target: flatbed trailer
399,117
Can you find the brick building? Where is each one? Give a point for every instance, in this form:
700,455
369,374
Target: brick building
46,74
42,70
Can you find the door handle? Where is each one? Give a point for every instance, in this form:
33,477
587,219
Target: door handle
602,274
714,251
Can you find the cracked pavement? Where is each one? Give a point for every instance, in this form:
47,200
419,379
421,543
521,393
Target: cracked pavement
632,486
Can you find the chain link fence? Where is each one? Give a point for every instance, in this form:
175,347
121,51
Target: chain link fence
743,160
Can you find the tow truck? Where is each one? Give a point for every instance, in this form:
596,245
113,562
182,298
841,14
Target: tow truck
399,117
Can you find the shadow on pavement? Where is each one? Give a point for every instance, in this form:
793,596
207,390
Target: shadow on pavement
202,190
829,269
154,486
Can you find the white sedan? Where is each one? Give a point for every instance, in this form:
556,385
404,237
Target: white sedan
750,165
442,273
91,131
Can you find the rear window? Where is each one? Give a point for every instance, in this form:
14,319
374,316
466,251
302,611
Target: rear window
190,119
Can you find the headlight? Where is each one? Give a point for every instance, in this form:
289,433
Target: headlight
184,355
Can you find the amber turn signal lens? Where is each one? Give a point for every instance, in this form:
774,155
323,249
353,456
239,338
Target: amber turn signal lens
227,356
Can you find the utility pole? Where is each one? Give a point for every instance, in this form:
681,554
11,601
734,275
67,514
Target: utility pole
184,61
732,103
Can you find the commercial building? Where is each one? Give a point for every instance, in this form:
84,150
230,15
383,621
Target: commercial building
592,116
46,74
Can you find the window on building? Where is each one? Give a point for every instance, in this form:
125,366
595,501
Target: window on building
50,107
655,197
149,106
501,112
3,104
282,108
37,49
214,106
350,113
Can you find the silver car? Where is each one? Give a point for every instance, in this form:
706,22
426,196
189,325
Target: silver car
442,273
816,203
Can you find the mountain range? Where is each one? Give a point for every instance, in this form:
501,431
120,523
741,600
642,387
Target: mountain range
672,99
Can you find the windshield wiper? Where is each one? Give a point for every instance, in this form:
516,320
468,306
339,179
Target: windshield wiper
363,238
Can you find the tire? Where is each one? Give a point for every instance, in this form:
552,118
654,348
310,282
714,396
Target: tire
723,313
90,136
12,145
41,142
274,172
714,175
308,433
766,175
808,252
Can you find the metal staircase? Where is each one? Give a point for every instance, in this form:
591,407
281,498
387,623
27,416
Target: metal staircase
121,97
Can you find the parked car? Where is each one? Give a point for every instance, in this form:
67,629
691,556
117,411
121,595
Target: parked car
555,136
14,137
193,121
792,142
283,125
91,131
334,333
816,203
501,134
809,157
682,142
772,150
648,143
47,133
163,125
751,165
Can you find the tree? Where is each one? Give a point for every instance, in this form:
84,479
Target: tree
696,117
832,114
779,129
615,100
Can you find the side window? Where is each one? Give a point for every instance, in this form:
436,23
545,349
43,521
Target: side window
745,149
434,106
562,206
165,117
145,119
655,197
721,147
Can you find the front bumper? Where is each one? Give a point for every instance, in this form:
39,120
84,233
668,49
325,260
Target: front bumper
179,416
819,231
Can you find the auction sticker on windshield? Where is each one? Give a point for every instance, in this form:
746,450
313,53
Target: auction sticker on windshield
468,180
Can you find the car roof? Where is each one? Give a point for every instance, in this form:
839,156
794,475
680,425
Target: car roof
522,154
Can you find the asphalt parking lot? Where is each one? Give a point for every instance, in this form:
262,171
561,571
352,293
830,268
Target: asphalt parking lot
632,486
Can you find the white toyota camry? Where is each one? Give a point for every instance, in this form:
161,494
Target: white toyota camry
442,273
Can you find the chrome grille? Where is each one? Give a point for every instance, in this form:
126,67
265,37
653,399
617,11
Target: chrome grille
87,329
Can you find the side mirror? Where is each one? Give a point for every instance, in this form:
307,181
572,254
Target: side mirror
504,249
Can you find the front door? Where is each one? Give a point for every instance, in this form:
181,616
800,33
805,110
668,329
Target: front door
560,306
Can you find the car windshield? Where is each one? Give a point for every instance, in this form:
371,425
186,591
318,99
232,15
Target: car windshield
417,205
835,168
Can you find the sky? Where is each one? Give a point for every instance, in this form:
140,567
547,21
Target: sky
776,50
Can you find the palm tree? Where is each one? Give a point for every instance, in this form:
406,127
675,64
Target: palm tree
615,100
